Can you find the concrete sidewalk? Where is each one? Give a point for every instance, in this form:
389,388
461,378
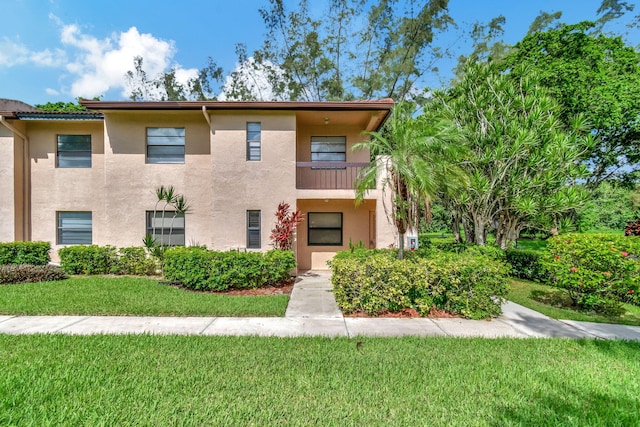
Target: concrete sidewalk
313,311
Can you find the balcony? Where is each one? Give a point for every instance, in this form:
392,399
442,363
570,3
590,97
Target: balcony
327,175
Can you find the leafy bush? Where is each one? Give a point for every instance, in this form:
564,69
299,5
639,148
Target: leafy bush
134,261
34,253
22,273
474,285
526,264
93,259
89,259
468,284
200,269
597,270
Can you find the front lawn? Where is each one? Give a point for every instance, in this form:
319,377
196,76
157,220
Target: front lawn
554,303
193,381
129,296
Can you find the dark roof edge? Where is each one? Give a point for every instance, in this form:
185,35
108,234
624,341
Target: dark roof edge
57,115
384,104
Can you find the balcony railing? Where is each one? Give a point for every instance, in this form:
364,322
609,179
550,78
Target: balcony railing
327,175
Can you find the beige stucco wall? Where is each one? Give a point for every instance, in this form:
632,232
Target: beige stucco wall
131,182
216,179
356,226
8,191
63,189
239,185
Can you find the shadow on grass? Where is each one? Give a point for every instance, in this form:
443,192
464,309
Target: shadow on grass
574,400
554,298
571,407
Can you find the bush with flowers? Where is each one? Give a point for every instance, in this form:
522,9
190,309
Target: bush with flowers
600,271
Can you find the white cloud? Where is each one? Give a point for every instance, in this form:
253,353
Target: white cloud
101,64
94,66
52,92
13,53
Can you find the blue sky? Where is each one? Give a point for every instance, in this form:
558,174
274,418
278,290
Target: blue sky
56,50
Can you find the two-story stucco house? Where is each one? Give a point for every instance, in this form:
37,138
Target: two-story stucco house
90,177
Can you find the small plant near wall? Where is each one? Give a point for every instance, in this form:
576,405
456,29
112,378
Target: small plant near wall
286,224
173,205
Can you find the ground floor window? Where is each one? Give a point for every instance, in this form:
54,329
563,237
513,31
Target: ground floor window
253,229
324,228
74,228
167,228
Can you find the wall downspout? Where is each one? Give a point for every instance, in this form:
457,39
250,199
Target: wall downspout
26,187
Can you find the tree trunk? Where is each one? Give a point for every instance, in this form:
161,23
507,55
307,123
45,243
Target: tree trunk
401,246
480,231
469,231
455,225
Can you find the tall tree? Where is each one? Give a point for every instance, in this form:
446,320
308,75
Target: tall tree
166,86
415,160
522,160
594,75
338,57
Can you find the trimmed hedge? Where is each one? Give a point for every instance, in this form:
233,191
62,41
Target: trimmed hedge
34,253
201,269
93,259
21,273
599,271
468,284
526,264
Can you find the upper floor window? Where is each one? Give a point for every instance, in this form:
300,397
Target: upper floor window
74,228
73,151
328,149
253,140
165,145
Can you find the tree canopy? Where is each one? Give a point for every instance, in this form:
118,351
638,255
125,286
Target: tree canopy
594,75
522,160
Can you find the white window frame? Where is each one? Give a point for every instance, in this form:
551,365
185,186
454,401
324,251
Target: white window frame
254,141
253,230
169,138
83,161
78,228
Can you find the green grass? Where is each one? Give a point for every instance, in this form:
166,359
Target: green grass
129,296
553,302
192,381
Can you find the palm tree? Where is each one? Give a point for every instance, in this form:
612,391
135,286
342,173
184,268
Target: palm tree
160,196
170,196
416,159
181,207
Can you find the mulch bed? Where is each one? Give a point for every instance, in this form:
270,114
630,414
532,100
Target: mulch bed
281,288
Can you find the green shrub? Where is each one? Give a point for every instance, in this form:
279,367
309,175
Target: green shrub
526,264
471,285
192,267
22,273
279,265
93,259
597,270
201,269
34,253
89,259
474,285
134,261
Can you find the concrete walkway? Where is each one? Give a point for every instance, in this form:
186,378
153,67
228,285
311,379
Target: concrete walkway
312,311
